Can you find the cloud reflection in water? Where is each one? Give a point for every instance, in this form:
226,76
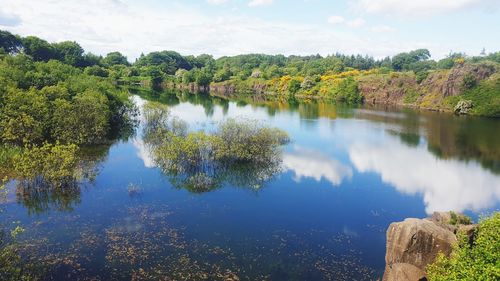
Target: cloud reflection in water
309,163
444,184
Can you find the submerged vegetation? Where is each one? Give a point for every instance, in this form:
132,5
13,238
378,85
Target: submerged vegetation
239,152
477,261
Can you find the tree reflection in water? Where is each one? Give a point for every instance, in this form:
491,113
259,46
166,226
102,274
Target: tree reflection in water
50,177
239,152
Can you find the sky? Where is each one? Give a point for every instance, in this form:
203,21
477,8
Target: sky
377,28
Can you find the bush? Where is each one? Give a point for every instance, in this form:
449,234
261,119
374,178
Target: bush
479,261
348,91
484,96
240,152
52,164
469,81
457,219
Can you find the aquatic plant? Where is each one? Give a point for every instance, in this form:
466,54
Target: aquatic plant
50,176
239,152
133,189
54,164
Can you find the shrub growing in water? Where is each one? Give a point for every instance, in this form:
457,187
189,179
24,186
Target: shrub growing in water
240,152
53,164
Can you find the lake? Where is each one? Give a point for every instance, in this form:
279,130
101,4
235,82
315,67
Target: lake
344,177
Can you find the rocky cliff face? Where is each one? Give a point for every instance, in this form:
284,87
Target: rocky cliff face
403,89
387,89
230,89
414,243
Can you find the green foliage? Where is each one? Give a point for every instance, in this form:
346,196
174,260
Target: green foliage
410,96
9,42
450,60
404,61
84,120
479,261
167,61
96,70
469,81
484,97
247,141
50,73
14,268
7,153
69,53
38,49
115,58
24,117
54,164
222,74
202,77
457,219
293,86
243,153
421,75
53,101
347,91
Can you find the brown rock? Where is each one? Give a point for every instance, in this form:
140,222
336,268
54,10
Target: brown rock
404,272
416,242
443,219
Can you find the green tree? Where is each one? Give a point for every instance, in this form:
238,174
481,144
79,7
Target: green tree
115,58
404,61
96,70
38,49
84,120
10,43
293,86
69,52
24,117
53,164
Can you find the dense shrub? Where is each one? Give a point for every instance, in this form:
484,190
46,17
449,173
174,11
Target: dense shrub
53,164
52,101
241,152
479,261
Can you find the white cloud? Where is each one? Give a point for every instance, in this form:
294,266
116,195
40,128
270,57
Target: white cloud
133,28
336,19
382,28
358,22
256,3
9,19
418,7
308,163
445,184
217,2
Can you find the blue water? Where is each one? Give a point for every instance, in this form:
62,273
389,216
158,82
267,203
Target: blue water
347,174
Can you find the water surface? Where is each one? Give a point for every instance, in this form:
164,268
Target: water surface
347,174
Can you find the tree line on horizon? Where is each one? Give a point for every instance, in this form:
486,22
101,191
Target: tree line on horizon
204,69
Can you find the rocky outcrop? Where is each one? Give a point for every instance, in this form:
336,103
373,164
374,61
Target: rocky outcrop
255,88
454,84
463,107
403,88
414,243
389,89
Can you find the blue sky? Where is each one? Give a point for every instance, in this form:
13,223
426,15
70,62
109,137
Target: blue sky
229,27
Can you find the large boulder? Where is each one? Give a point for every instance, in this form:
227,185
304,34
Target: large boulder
463,107
412,245
404,271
